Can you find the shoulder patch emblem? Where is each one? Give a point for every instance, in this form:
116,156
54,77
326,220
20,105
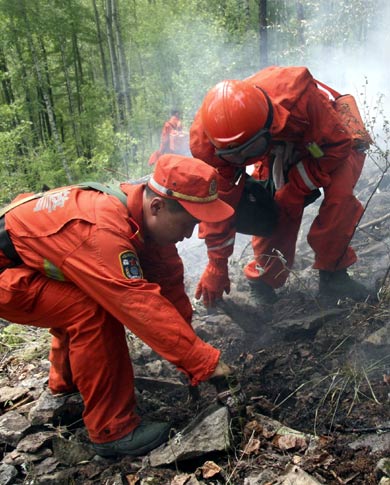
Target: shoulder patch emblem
131,268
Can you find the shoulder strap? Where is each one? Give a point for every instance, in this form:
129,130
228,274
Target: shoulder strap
12,205
110,189
334,93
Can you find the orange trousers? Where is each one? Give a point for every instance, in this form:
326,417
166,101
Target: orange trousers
89,350
329,236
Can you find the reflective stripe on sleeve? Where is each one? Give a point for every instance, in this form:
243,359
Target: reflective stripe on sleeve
227,243
302,172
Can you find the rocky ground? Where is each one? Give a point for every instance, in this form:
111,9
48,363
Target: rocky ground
316,377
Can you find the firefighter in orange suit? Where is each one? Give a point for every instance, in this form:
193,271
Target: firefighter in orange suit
171,126
83,264
281,122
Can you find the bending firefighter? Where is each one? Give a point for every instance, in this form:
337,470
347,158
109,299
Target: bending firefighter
85,265
281,122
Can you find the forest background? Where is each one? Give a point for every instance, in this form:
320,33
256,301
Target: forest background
86,85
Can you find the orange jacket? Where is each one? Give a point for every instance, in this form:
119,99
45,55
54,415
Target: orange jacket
170,126
303,114
84,236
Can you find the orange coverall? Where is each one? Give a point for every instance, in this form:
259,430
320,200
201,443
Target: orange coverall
72,242
303,115
173,124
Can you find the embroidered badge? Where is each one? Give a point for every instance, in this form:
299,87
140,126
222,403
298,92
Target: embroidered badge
130,265
213,187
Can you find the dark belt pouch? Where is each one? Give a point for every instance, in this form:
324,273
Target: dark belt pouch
257,212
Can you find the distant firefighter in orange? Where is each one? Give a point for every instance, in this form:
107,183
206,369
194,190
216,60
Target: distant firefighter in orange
173,138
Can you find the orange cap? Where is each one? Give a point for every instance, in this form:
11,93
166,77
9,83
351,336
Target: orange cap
234,111
193,184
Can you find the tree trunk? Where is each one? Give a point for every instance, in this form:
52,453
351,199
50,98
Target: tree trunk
263,34
101,48
124,70
33,115
114,65
5,80
70,98
45,95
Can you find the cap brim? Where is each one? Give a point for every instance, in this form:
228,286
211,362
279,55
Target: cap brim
215,211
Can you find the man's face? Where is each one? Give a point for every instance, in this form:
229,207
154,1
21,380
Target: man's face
165,226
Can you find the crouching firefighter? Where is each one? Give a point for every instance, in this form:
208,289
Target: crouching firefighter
86,264
299,139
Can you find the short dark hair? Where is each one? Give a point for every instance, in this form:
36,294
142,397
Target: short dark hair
172,204
175,112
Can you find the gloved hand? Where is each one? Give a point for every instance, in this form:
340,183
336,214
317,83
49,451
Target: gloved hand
229,393
213,282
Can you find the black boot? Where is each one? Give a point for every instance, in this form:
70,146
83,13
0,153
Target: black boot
140,441
338,284
262,293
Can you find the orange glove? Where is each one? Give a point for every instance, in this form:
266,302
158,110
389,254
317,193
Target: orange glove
213,282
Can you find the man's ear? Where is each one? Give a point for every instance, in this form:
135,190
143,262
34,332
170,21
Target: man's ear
156,204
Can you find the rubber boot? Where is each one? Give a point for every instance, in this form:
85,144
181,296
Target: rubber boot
339,284
262,293
140,441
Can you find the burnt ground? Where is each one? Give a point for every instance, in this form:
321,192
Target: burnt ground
323,370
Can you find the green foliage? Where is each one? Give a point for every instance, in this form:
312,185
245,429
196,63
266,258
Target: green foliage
12,336
26,343
67,116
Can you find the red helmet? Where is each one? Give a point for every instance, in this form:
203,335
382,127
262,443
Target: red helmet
234,111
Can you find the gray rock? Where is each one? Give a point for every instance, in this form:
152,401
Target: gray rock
207,433
266,476
32,442
48,465
115,480
7,473
377,442
63,477
12,428
296,476
11,394
17,458
71,452
383,467
50,408
380,337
